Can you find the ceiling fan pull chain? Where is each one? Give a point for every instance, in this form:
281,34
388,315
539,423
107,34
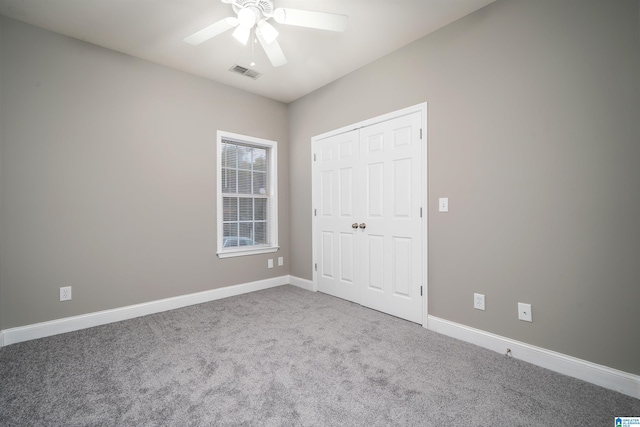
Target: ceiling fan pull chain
253,43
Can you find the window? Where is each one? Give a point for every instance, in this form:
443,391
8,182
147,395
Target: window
247,195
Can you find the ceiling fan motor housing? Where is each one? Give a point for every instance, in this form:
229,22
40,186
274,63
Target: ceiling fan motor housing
261,8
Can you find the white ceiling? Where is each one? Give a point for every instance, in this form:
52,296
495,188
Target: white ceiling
154,29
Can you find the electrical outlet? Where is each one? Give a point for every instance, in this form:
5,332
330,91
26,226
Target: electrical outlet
524,312
478,301
65,293
270,263
280,261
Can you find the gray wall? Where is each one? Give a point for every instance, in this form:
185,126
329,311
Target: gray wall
108,178
1,136
533,133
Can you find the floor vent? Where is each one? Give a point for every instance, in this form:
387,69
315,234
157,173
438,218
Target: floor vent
245,71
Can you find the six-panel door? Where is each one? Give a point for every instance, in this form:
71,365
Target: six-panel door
368,225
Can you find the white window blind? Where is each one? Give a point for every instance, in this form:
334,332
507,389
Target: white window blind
246,195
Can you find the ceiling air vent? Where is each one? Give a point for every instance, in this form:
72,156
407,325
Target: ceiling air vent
245,71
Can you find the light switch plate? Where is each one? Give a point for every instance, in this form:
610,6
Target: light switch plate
443,204
270,263
280,261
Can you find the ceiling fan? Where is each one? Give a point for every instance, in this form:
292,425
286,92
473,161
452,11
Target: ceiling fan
252,19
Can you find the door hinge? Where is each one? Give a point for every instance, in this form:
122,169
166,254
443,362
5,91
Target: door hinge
316,267
420,290
314,157
420,212
315,212
420,133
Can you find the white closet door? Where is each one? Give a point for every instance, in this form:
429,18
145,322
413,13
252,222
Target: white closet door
368,228
391,244
335,174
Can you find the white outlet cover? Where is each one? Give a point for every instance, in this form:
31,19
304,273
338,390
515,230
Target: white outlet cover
270,263
478,301
524,312
65,293
280,261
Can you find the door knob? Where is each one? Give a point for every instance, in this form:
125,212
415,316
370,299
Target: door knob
354,225
363,225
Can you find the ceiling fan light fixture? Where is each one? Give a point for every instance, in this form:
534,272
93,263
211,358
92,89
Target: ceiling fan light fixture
247,17
267,31
280,15
242,34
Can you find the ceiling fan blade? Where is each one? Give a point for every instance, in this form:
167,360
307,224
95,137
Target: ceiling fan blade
273,50
211,31
311,19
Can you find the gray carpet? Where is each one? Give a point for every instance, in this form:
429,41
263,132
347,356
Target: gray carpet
284,356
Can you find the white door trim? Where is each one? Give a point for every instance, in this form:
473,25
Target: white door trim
422,108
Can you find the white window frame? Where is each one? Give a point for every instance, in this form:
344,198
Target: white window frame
272,177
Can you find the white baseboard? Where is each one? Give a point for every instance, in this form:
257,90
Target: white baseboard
603,376
69,324
301,283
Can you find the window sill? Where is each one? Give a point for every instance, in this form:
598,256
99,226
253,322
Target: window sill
230,253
